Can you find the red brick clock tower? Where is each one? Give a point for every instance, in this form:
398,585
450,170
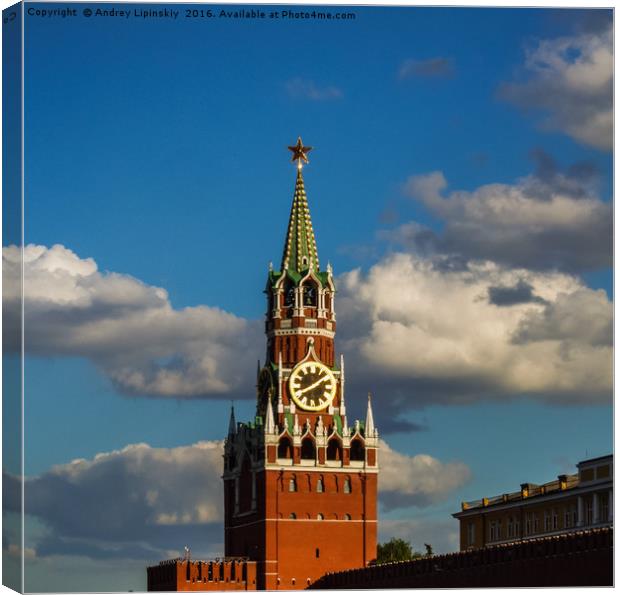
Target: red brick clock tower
300,483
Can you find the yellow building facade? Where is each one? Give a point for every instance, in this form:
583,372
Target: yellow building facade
569,503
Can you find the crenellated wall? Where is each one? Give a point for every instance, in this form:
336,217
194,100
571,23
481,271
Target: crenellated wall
200,575
584,558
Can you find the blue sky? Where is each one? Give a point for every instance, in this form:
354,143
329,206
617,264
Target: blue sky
157,148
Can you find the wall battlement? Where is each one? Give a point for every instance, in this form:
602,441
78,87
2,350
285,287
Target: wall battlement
235,574
584,558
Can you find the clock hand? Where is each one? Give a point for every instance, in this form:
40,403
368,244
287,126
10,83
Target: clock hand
319,381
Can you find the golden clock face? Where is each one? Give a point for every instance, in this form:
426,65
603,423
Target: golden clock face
312,386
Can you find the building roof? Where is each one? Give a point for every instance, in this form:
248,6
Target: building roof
528,491
300,253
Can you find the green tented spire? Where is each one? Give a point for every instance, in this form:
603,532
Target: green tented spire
300,252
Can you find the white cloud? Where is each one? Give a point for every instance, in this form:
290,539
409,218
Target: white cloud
571,78
548,220
127,328
307,89
139,499
421,332
413,330
418,480
144,501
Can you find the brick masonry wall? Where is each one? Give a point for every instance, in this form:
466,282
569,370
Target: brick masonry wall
584,558
199,575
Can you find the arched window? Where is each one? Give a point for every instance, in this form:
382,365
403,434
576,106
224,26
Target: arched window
289,294
320,516
308,450
346,488
334,450
357,450
310,293
320,487
285,448
292,515
292,484
347,517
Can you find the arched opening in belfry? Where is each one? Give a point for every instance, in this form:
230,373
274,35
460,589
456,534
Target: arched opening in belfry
289,294
308,449
310,293
334,450
285,448
357,450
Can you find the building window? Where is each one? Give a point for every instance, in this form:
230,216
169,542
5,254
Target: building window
347,517
317,552
511,527
588,503
603,504
357,452
334,450
568,518
308,450
554,519
528,523
495,530
285,448
292,515
347,486
471,534
547,521
292,485
319,485
320,516
536,524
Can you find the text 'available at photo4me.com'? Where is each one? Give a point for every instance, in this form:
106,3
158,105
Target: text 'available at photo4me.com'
172,12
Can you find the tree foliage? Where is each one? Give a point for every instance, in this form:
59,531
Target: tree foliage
394,550
398,550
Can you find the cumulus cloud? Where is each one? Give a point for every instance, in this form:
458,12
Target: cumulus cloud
307,89
418,480
139,500
438,67
127,328
549,219
570,79
416,332
142,501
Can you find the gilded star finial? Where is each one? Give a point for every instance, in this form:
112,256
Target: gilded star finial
300,153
